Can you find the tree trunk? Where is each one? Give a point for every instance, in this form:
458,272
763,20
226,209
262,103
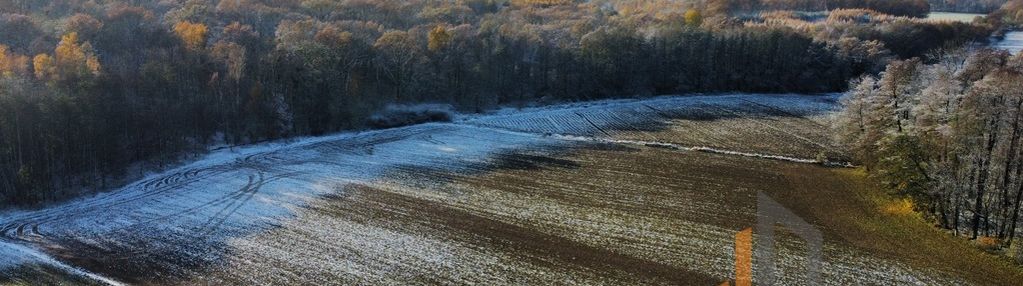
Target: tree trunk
1010,164
943,214
1015,209
957,215
978,205
895,103
969,182
983,172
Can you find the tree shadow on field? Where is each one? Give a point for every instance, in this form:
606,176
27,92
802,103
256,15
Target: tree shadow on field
144,260
41,274
526,159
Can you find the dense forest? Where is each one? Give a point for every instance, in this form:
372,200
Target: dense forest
966,6
94,92
947,134
1008,16
945,131
912,8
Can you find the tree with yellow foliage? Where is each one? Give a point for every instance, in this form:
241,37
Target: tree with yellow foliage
12,64
192,34
438,39
542,3
693,18
71,60
74,57
75,60
44,67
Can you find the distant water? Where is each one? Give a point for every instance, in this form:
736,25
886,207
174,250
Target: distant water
951,16
1013,42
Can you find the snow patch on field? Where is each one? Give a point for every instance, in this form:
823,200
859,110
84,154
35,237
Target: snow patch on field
192,211
11,255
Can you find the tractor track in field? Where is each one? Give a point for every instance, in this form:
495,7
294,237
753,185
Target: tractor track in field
26,228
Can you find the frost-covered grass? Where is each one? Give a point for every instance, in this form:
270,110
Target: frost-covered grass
569,194
857,202
770,125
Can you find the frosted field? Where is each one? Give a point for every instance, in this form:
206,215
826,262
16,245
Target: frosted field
616,192
792,126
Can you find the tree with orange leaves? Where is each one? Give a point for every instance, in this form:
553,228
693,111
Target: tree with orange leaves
71,60
192,34
44,67
438,38
12,64
75,59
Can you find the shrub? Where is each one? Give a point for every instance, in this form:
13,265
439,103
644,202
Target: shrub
403,115
987,243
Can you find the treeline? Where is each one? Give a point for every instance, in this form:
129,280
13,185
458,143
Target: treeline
1009,15
947,134
94,94
911,8
905,36
967,6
